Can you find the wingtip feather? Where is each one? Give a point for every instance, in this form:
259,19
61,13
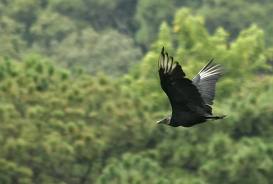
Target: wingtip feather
162,50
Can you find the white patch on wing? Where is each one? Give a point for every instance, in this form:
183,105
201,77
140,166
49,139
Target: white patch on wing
162,60
174,65
166,62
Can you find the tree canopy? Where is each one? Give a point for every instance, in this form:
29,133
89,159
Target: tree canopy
80,93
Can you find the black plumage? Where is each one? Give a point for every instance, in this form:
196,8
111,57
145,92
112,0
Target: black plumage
190,100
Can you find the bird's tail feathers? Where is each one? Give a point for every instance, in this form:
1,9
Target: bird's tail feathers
216,117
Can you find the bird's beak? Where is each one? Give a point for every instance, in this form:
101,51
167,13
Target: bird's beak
159,122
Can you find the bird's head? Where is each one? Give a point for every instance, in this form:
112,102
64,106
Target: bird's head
166,121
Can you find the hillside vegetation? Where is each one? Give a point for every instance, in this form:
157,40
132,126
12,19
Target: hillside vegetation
80,93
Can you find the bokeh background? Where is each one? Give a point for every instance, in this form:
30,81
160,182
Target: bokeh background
80,94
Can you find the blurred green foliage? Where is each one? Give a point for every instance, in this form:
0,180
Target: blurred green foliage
80,125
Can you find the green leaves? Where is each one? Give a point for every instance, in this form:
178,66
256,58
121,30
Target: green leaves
109,51
10,172
149,15
82,125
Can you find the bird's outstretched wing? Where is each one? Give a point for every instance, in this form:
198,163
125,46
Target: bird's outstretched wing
206,79
182,93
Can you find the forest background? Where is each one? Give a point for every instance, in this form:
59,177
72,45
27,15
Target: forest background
80,94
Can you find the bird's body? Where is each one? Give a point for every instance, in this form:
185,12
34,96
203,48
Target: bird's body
190,100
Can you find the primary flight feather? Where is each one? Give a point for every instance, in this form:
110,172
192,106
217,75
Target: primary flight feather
190,100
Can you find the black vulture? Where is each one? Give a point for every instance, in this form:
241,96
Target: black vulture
190,100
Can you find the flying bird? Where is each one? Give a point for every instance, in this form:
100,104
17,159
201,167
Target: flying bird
190,100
